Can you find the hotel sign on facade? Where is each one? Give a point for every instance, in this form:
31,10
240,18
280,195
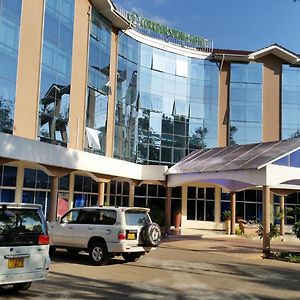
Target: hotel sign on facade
156,30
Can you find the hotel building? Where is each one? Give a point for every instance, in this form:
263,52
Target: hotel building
97,103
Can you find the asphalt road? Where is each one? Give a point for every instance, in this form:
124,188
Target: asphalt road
187,268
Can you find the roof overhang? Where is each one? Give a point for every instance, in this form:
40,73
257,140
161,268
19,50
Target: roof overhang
229,57
278,51
18,150
109,11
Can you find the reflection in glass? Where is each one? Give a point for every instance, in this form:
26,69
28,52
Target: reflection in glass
245,115
290,102
99,84
56,71
173,107
10,13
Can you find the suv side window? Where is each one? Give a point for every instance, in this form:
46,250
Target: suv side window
70,217
86,217
106,217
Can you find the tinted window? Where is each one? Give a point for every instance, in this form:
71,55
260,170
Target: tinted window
136,217
106,217
20,226
70,217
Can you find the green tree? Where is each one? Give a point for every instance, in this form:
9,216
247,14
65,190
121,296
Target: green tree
6,120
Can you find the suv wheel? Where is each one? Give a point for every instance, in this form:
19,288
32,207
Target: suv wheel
151,235
131,257
21,286
98,253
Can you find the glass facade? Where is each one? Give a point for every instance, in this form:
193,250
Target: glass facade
201,204
56,71
98,84
10,14
290,102
8,176
245,104
36,189
166,104
248,205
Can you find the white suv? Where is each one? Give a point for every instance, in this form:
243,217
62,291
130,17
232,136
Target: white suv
24,245
105,232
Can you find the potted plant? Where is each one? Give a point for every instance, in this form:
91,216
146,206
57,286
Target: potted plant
177,218
227,216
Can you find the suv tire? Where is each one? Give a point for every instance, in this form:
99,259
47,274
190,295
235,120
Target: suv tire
151,235
132,257
98,253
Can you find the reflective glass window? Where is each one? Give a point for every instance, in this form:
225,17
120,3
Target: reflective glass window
290,127
10,14
245,116
165,88
56,71
99,84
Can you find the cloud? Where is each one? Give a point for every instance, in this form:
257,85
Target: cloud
162,20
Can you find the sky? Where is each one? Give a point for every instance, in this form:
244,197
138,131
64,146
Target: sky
231,24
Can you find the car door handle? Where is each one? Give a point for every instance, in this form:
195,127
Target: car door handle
108,231
90,228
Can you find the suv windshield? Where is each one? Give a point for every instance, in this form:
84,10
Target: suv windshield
20,226
136,217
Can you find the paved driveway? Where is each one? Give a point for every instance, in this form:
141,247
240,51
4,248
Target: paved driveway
183,268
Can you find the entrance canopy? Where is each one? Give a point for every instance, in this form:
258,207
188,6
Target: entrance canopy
274,164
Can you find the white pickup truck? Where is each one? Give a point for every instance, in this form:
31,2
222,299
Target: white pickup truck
105,232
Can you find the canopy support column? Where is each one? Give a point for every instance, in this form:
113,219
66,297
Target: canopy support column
266,219
282,216
101,189
168,209
233,210
131,194
53,198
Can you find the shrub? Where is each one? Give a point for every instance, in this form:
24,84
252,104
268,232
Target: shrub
238,231
296,229
274,232
227,214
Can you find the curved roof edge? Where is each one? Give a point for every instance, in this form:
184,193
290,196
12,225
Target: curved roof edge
167,46
109,11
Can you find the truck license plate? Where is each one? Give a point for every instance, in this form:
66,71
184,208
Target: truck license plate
14,263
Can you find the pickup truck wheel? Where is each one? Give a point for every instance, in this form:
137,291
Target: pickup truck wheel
98,253
22,286
131,257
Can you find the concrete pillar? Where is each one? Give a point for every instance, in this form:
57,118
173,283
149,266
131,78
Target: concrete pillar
112,96
184,196
223,104
266,219
107,201
218,191
101,189
233,210
53,198
19,184
71,190
79,74
168,209
29,64
131,194
282,215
